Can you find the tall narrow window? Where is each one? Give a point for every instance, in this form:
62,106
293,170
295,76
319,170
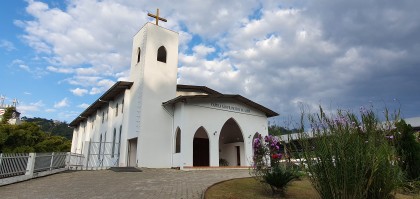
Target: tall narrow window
116,110
113,143
138,54
122,106
104,149
100,146
178,141
103,116
119,142
161,56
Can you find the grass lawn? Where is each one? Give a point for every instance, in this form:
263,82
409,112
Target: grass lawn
250,188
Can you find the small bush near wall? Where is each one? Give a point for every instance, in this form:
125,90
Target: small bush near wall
223,162
267,165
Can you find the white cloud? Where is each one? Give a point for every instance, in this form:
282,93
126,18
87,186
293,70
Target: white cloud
63,103
25,68
102,86
202,50
95,91
79,91
50,110
274,52
83,105
25,108
7,45
36,72
59,70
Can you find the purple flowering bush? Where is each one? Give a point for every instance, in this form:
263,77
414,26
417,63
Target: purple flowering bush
267,166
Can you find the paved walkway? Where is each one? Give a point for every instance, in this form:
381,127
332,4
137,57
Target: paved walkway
151,183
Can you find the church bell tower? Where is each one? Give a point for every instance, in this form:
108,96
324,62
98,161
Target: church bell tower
154,73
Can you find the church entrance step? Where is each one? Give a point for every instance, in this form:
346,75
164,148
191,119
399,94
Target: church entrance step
125,169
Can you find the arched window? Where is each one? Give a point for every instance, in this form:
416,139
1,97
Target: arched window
113,143
138,54
161,56
178,141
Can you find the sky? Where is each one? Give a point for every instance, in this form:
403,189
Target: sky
59,56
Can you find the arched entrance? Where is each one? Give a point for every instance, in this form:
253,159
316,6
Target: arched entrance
231,145
201,148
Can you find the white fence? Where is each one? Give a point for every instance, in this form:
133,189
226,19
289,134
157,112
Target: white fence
15,167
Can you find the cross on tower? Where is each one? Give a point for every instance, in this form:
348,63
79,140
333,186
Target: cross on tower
157,17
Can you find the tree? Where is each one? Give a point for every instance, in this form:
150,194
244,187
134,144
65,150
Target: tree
7,115
52,127
28,137
408,150
276,130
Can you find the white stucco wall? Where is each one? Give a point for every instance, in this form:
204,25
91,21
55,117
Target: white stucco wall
92,128
228,152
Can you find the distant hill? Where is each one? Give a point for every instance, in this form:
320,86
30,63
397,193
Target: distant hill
53,127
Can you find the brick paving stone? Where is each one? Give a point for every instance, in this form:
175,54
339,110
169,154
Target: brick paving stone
149,184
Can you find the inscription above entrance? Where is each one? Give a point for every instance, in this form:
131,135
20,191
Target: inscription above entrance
230,107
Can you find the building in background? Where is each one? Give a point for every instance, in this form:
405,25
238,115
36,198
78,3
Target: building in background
15,115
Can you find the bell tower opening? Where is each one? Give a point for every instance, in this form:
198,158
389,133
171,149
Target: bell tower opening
161,55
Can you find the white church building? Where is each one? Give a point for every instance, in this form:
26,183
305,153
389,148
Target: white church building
151,121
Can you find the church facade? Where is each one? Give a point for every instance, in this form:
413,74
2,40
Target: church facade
151,121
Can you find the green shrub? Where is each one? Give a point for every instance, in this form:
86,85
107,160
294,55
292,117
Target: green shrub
408,150
278,178
223,162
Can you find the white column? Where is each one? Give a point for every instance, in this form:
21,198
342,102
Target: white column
31,164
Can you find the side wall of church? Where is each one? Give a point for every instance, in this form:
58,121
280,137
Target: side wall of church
99,125
191,116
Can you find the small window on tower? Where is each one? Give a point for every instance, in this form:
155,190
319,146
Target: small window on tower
161,56
138,54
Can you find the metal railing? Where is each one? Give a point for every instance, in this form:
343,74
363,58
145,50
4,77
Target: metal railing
49,161
75,161
13,164
15,167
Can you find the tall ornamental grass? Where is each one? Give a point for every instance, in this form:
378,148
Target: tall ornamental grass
350,156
